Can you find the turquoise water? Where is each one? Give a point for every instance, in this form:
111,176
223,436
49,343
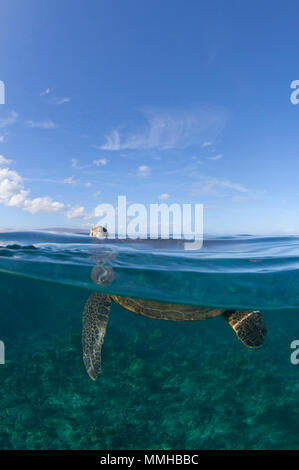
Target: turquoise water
163,385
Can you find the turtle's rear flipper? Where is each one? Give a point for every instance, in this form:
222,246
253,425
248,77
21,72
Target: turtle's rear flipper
249,326
95,319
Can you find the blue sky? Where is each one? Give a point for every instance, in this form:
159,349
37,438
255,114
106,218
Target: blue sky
168,101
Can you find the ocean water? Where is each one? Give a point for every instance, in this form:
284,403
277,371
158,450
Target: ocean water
163,384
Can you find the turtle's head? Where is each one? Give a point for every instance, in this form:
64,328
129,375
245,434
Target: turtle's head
98,231
102,275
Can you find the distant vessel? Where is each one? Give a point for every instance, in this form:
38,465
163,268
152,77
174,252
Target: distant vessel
98,231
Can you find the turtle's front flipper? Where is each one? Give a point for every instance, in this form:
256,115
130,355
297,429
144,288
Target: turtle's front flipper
95,319
248,325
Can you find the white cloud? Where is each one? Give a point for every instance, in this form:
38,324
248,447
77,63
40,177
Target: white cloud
77,213
74,162
41,124
42,205
101,161
13,193
144,170
168,130
88,184
207,144
216,157
4,161
2,139
8,120
45,92
164,196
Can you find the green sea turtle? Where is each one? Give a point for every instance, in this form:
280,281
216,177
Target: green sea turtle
248,325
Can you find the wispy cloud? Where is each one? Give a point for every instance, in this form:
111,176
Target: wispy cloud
75,164
47,124
97,194
55,99
164,196
71,180
112,142
191,177
76,182
191,170
45,92
2,139
197,159
77,213
4,161
207,144
213,184
8,120
168,130
144,170
100,161
63,100
216,157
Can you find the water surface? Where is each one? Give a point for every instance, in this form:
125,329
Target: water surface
185,385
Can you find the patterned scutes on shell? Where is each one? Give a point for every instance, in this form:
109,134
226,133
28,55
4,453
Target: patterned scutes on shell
167,311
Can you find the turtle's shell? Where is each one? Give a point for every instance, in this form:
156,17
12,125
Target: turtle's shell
166,311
